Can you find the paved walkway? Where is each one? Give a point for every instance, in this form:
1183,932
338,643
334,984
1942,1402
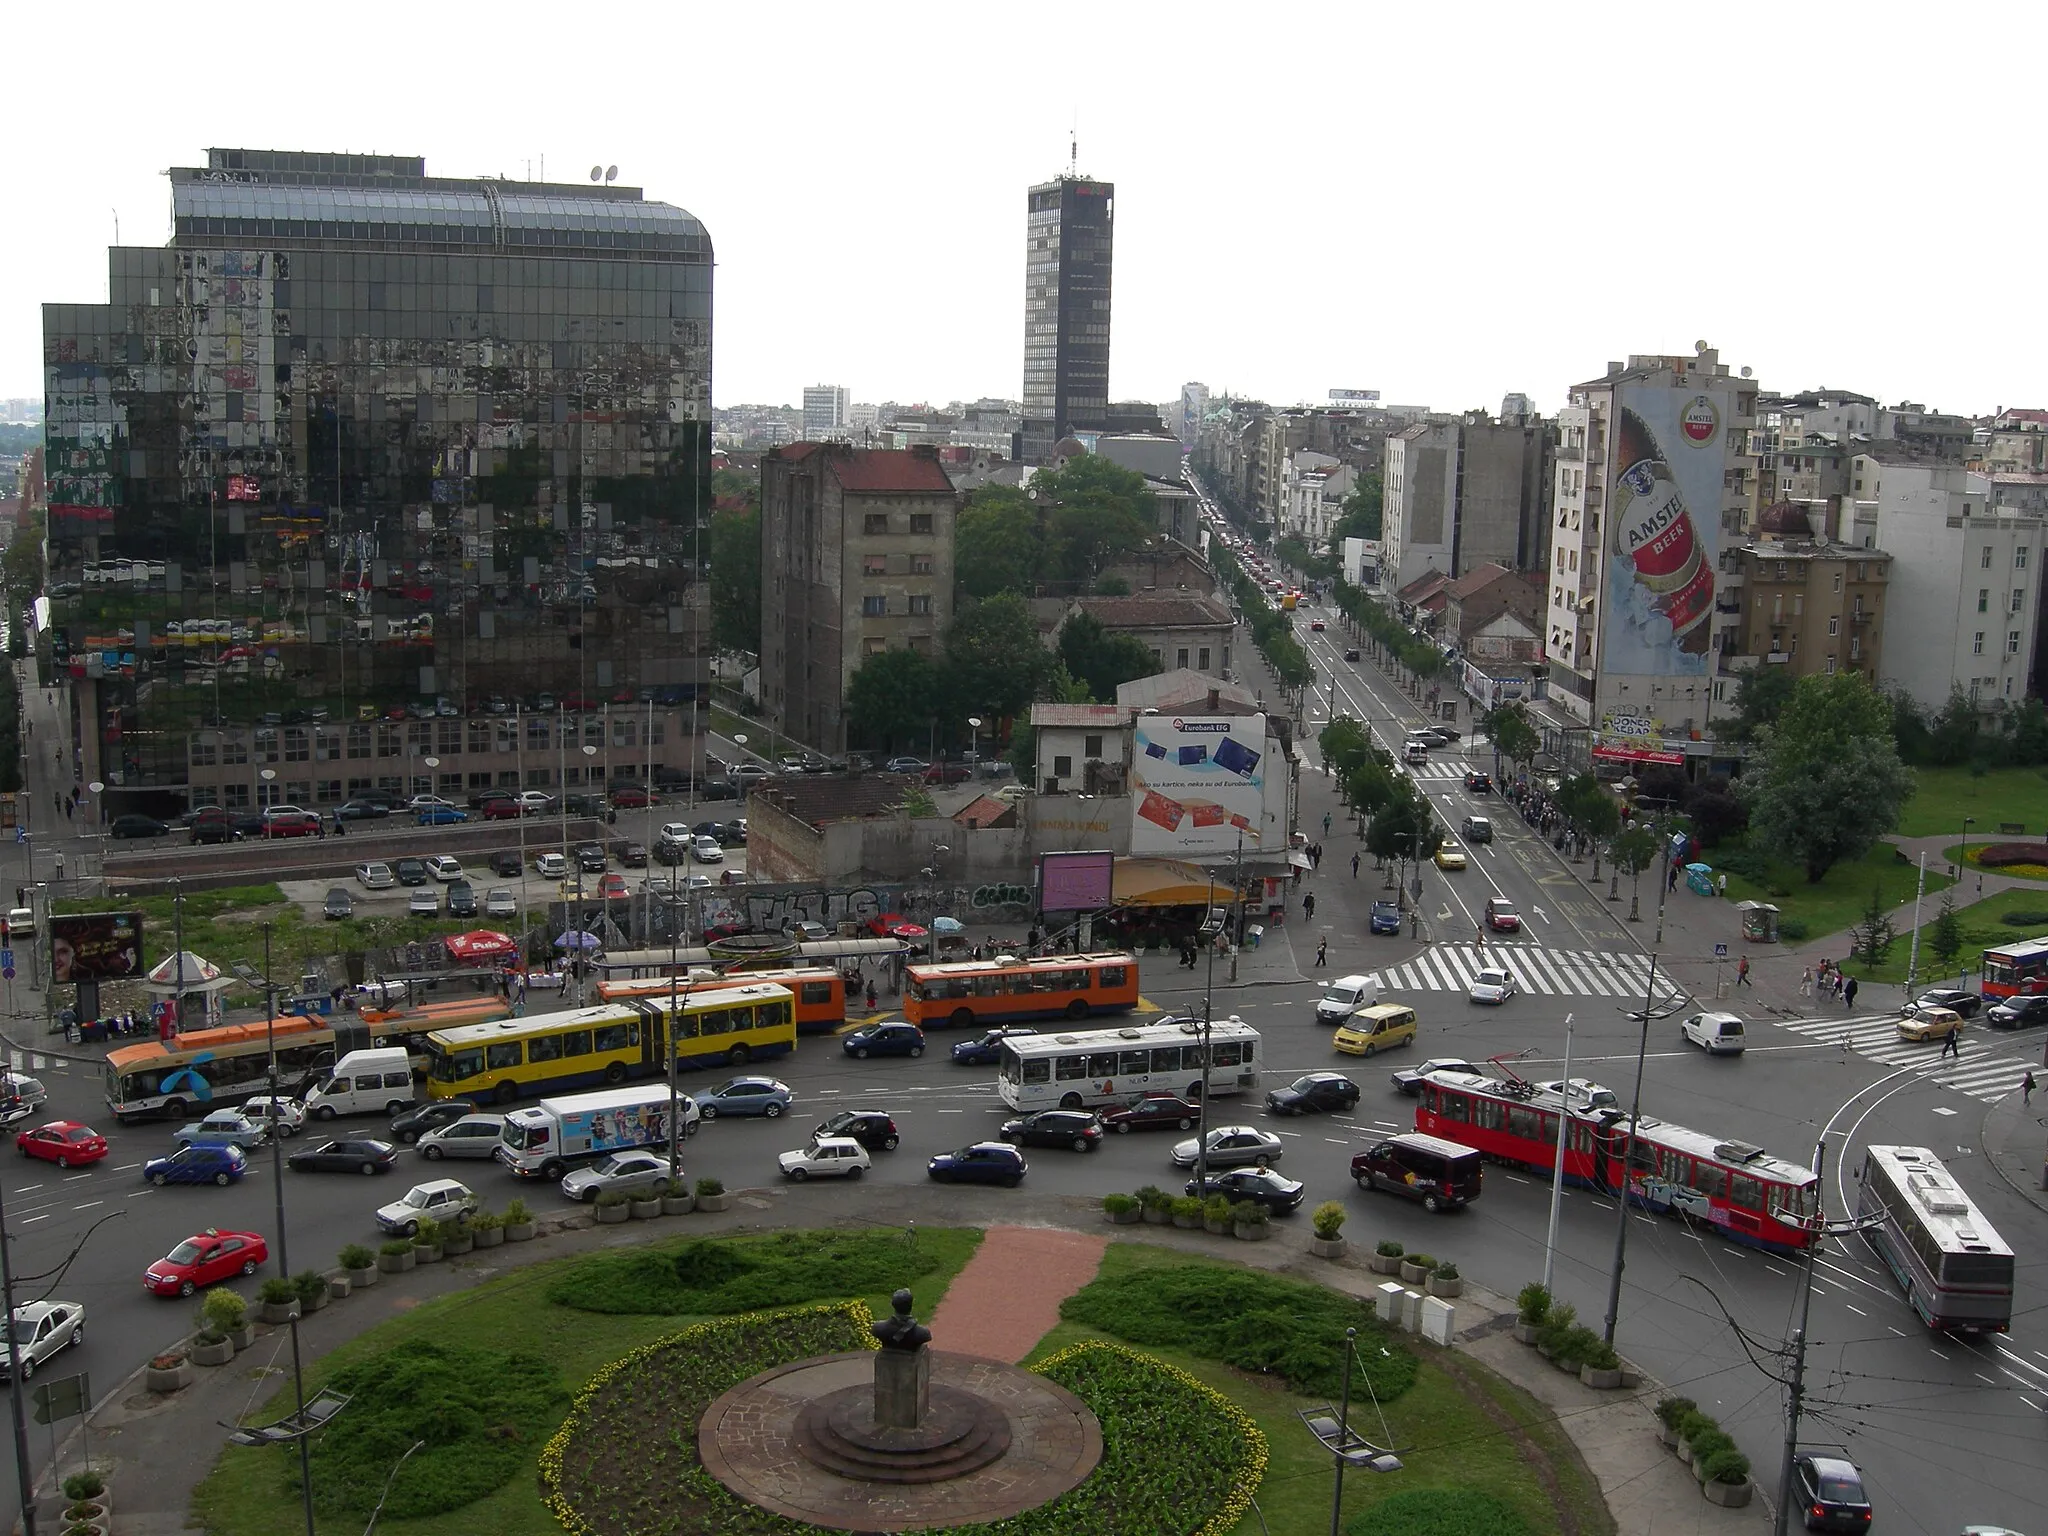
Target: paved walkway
1008,1297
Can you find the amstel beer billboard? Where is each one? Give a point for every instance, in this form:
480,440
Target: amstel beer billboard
1664,510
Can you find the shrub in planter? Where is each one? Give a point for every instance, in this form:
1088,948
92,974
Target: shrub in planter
1250,1220
1444,1280
611,1198
676,1199
1557,1323
311,1288
279,1300
459,1238
1670,1410
426,1243
1416,1268
1187,1211
1532,1304
1386,1257
1156,1203
223,1313
1328,1219
518,1221
1216,1213
168,1372
1706,1444
645,1204
1726,1465
84,1485
360,1262
396,1257
711,1196
611,1207
1121,1209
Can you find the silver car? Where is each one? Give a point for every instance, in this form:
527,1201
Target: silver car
41,1328
471,1136
627,1172
1229,1146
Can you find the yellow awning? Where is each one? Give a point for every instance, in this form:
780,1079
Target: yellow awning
1165,883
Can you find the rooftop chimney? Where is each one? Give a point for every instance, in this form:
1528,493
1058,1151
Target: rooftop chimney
1215,699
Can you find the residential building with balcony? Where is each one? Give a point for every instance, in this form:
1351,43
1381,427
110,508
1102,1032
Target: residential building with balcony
1805,603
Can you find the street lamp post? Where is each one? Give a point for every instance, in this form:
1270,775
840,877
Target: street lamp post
1649,1014
974,751
24,1478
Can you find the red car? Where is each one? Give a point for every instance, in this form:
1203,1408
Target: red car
63,1142
1154,1112
947,773
630,797
1317,625
291,824
613,887
204,1258
1501,915
500,810
894,925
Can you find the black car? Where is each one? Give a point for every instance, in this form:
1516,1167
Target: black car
1154,1112
894,1039
715,830
1351,653
461,899
505,862
361,810
590,858
986,1162
211,824
1477,829
390,799
1264,1186
410,871
590,805
630,855
1408,1080
138,826
361,1154
718,789
1964,1003
339,904
478,799
251,824
1479,783
1080,1129
1313,1092
986,1050
431,1116
2012,1012
871,1128
666,852
1830,1494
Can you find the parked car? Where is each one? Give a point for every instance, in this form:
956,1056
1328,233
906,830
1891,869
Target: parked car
1262,1186
626,1172
1154,1112
1408,1080
500,902
870,1127
138,826
461,899
984,1162
354,1154
289,821
894,925
904,765
612,887
590,858
505,862
501,808
414,1123
747,775
199,1163
1501,915
834,1157
1492,984
410,871
1313,1092
1386,917
213,825
985,1050
443,1200
41,1330
67,1143
551,866
806,932
470,1136
534,802
631,855
2011,1012
746,1095
427,803
444,867
893,1039
948,773
1079,1129
1230,1145
338,905
375,876
706,851
1830,1492
424,902
204,1258
1956,998
629,797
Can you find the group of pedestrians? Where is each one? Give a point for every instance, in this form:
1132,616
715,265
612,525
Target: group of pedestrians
1828,982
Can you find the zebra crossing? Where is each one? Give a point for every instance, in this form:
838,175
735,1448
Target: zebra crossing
1538,970
1984,1070
1440,770
34,1063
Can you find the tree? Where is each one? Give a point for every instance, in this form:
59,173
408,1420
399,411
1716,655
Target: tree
1827,783
1945,934
1872,938
1590,810
1513,737
891,696
736,580
995,662
1715,813
1101,658
1762,693
1404,825
1633,851
998,545
1112,586
1953,733
1094,510
1360,516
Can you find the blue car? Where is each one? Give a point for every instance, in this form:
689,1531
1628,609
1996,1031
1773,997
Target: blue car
442,815
200,1163
986,1162
1386,918
885,1040
746,1096
987,1050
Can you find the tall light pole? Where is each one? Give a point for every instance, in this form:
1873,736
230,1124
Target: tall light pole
1648,1015
23,1477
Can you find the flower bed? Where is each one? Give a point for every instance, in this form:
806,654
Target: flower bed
1999,855
721,1275
1178,1459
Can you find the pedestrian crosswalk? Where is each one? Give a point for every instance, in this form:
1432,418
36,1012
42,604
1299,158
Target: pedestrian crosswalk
1437,770
1988,1066
1537,970
34,1063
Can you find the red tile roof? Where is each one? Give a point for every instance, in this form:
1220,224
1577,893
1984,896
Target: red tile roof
877,470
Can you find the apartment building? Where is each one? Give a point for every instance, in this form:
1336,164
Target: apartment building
1461,494
828,412
1805,603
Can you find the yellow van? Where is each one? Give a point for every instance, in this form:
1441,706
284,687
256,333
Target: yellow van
1372,1030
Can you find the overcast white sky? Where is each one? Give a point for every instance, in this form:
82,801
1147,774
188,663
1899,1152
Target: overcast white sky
1442,202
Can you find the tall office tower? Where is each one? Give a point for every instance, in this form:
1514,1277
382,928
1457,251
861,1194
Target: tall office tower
828,412
1068,246
363,456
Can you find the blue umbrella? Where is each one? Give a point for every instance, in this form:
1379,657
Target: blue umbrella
577,938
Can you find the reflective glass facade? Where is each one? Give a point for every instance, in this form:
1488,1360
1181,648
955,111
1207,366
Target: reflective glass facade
361,443
1069,246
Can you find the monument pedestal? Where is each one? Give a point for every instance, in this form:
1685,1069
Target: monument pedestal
903,1385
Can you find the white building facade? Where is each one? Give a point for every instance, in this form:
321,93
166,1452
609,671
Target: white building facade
828,412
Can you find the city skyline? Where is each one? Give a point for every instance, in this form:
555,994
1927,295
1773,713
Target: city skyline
1440,245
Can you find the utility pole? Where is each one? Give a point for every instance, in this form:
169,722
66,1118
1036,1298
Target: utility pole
1648,1015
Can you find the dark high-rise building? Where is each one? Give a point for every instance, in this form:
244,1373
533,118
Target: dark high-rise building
1069,243
363,458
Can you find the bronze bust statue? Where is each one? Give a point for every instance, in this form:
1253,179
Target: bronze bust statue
902,1331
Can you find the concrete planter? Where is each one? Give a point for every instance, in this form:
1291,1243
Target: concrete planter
1728,1495
644,1210
611,1215
519,1231
1219,1228
313,1303
277,1311
1681,1450
95,1514
396,1263
1124,1218
1252,1231
1327,1247
220,1352
1439,1287
172,1377
427,1253
712,1204
1666,1435
1414,1274
338,1287
1525,1333
1158,1215
1604,1381
361,1278
458,1242
1188,1223
1385,1264
243,1337
678,1205
488,1237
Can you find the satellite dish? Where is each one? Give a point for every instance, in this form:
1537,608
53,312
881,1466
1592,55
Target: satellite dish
1745,372
1700,347
611,174
597,173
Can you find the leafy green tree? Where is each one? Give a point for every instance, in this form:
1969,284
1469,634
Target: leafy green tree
1827,782
1404,825
1761,694
1023,755
1062,687
1361,515
1112,586
1513,737
995,663
1945,934
1716,814
1094,511
2026,733
736,580
998,545
1633,851
892,696
1101,658
1953,735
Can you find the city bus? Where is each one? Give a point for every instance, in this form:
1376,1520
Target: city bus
1955,1269
222,1066
1117,1066
2014,968
1002,991
552,1053
640,964
820,994
1738,1189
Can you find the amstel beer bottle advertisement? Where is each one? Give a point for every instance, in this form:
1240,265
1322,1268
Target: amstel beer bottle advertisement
1665,513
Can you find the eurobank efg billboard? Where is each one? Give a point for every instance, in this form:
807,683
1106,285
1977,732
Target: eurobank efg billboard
1197,783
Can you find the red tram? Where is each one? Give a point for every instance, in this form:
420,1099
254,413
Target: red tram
1741,1190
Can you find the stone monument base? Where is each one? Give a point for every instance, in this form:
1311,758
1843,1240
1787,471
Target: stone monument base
903,1382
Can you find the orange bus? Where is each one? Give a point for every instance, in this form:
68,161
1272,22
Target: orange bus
214,1068
820,993
432,1016
997,991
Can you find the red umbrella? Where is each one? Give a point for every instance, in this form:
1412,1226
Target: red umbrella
480,944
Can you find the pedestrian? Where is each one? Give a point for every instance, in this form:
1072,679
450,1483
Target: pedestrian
1671,881
1354,866
1952,1042
1742,972
871,997
2027,1087
1308,902
60,866
1849,991
1326,823
1322,952
1722,886
340,827
319,825
1806,982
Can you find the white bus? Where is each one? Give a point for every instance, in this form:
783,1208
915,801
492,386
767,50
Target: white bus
1956,1270
1074,1069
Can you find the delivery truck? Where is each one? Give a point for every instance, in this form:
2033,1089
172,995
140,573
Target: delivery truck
545,1139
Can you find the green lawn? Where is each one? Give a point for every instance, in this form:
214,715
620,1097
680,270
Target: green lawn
1982,929
1457,1420
1838,901
1946,795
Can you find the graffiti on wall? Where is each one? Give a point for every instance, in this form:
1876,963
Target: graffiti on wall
768,908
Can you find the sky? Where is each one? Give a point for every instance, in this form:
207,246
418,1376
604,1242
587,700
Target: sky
1443,203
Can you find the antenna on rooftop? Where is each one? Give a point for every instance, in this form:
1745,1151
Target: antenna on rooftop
604,173
1074,147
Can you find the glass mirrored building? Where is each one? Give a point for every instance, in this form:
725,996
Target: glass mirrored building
363,456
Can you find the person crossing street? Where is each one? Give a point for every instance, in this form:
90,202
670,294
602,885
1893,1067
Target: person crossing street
1952,1042
1322,952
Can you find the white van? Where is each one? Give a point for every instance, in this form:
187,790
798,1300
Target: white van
1344,997
362,1083
1718,1034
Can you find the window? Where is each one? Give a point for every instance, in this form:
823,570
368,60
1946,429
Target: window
1091,746
874,607
920,522
504,1054
1831,666
875,522
2012,642
874,565
921,603
920,565
874,645
1063,767
1977,646
1203,664
1983,599
2019,558
1183,654
2019,598
1838,581
1835,624
1985,563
